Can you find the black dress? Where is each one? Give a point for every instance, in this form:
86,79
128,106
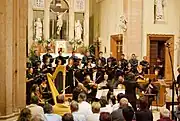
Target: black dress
69,78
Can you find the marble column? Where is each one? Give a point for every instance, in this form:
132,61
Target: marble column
30,24
46,19
71,19
13,23
86,23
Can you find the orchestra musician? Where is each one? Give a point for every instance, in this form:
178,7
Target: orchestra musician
150,92
35,91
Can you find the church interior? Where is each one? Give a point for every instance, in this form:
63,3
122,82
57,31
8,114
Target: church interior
89,60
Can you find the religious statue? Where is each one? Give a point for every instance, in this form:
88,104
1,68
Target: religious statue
159,10
38,29
59,20
123,22
78,30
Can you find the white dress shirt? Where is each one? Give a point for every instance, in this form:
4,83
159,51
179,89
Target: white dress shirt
53,117
37,111
93,117
85,108
78,116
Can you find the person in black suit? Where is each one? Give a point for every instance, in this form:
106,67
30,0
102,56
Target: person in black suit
85,58
124,62
144,114
130,88
60,57
75,58
47,56
134,63
112,60
35,58
103,60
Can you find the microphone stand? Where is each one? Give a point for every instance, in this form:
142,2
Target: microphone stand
173,80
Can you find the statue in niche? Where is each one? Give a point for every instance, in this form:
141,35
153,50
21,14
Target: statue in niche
38,29
123,23
159,10
78,30
59,20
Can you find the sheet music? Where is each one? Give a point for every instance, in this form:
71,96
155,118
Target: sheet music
101,93
117,91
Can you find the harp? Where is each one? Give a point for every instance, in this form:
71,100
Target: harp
51,79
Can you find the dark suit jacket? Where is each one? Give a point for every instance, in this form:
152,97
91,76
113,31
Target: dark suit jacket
144,115
117,115
130,90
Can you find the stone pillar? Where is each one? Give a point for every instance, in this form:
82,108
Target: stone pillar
71,19
133,10
30,24
46,19
13,23
86,23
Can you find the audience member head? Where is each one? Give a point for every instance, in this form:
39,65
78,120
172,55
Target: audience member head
67,117
123,102
105,116
37,118
128,113
164,113
34,100
25,115
60,99
48,108
82,97
103,101
120,96
96,107
143,104
74,106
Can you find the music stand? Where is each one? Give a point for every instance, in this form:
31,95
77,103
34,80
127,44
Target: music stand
154,95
